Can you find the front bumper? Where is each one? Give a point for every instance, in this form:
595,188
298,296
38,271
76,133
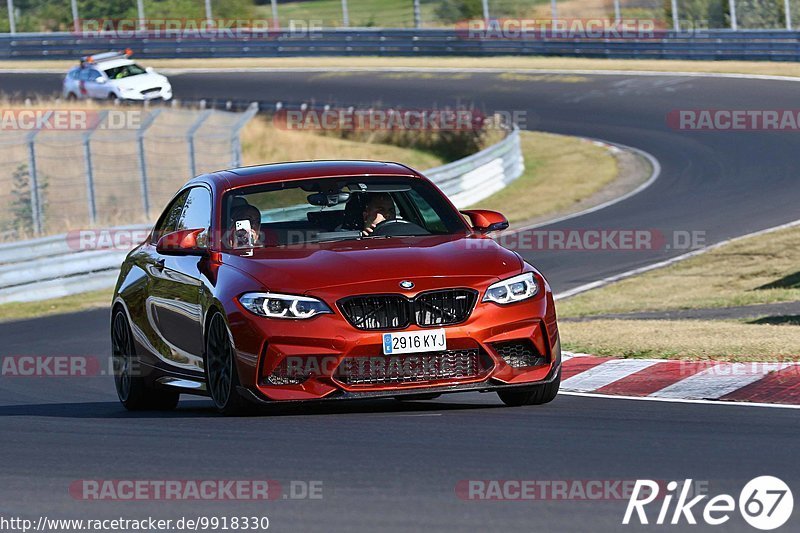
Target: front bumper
321,345
135,96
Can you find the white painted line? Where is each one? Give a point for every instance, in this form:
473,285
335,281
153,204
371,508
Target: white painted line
679,400
717,381
604,374
656,172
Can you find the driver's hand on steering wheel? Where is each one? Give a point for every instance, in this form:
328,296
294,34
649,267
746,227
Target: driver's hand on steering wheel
371,226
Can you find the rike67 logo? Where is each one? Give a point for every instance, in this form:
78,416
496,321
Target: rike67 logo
765,503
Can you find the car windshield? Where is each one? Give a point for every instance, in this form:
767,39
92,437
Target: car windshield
321,210
125,71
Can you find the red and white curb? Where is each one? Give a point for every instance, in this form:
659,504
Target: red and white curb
755,382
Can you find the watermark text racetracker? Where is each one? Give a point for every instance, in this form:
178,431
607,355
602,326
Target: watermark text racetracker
194,490
554,489
734,119
188,28
392,119
69,120
597,240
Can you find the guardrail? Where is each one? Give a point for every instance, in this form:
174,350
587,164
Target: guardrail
700,44
57,266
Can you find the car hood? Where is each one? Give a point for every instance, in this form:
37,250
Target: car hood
148,80
377,265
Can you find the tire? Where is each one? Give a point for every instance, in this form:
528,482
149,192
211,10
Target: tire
112,97
538,395
221,374
132,390
71,97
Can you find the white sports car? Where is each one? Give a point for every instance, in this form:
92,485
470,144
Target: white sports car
113,75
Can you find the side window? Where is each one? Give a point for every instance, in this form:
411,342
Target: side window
94,75
83,75
170,218
197,210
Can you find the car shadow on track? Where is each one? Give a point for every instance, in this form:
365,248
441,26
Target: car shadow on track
194,409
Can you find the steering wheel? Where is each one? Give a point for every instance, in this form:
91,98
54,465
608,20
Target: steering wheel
396,227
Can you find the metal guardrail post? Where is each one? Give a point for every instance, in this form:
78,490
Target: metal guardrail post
87,155
76,19
675,19
236,144
209,17
553,10
140,11
418,15
190,140
33,183
12,23
485,6
275,21
732,8
143,161
787,12
345,15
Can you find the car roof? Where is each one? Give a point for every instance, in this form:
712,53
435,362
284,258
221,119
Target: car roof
112,63
297,170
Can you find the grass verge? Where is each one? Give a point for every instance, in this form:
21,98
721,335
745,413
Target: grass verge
760,269
55,306
756,270
262,143
533,63
682,339
582,168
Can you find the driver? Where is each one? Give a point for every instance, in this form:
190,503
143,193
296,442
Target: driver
378,208
242,238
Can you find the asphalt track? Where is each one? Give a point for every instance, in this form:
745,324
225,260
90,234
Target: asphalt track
396,466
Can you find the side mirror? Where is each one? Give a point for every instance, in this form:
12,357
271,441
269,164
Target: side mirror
101,80
182,242
484,221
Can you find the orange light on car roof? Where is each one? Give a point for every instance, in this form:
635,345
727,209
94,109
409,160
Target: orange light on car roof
128,52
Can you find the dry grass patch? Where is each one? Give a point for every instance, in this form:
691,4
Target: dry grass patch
682,339
534,63
263,143
559,172
756,270
66,304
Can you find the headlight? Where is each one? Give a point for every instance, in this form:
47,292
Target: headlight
512,290
273,305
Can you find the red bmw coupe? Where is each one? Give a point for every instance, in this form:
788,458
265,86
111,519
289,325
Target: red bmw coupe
328,280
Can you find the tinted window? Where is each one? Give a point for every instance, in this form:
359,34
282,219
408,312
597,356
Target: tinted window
94,75
171,216
197,210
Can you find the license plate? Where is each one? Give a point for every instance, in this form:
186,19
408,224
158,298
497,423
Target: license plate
414,341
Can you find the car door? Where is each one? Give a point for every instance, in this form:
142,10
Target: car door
173,304
95,84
